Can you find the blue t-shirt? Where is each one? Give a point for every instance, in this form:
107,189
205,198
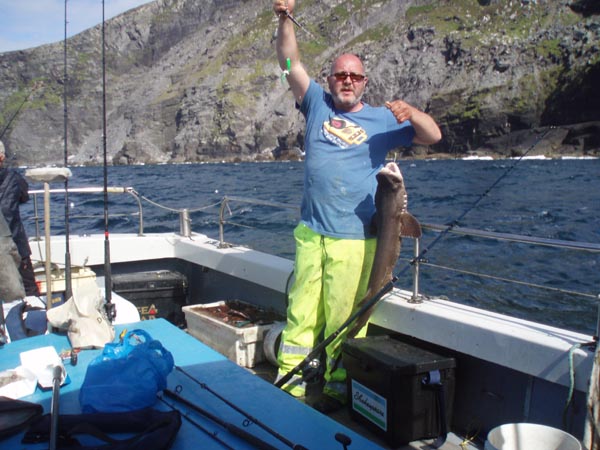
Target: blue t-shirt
344,152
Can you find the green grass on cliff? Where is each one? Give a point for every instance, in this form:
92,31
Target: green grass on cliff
476,23
29,97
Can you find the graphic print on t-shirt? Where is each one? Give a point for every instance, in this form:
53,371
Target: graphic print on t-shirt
343,132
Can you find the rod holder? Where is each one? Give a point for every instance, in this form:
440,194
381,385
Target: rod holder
416,298
185,223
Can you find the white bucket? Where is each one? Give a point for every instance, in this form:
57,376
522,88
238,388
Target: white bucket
529,436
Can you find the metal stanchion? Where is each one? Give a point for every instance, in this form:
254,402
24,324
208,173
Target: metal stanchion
48,175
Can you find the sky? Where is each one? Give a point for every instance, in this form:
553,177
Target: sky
29,23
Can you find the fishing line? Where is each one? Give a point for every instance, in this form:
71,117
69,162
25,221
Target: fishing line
110,309
241,411
367,305
456,221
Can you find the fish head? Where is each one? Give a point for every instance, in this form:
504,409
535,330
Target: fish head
390,177
391,186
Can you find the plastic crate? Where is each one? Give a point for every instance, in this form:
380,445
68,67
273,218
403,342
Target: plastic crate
241,342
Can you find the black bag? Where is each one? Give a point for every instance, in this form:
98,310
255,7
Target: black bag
16,414
154,430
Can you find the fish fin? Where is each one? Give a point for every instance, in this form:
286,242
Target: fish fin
410,226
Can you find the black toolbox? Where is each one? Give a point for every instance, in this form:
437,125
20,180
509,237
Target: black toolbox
156,293
401,392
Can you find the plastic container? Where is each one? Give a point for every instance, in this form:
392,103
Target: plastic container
156,294
392,388
529,436
241,343
79,275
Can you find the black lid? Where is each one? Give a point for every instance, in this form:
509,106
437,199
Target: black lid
396,355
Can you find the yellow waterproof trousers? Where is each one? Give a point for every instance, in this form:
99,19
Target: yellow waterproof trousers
331,277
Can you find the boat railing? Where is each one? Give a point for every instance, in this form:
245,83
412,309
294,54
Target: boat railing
417,262
225,203
517,238
86,190
418,259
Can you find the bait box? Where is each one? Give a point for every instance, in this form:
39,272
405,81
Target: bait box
242,344
387,392
79,276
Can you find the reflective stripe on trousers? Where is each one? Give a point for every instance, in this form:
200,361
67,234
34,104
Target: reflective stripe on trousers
331,276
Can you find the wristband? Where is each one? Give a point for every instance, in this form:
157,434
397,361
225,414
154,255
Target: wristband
286,72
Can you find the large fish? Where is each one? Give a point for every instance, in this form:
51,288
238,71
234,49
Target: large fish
11,284
391,222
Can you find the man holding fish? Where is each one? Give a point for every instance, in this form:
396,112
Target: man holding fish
346,143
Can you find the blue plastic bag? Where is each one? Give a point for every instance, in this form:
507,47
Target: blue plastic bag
127,375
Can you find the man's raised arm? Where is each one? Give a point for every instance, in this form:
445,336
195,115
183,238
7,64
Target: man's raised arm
287,47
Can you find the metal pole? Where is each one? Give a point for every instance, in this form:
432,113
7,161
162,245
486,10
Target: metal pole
416,270
48,262
36,218
222,221
57,374
184,223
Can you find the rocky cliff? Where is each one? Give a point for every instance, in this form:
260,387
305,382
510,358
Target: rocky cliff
197,80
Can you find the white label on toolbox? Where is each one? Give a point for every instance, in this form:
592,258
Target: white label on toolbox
369,404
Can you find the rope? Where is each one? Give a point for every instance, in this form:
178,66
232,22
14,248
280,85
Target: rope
572,378
571,384
176,210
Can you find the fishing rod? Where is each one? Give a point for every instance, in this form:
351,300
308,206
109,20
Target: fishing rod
110,309
241,411
233,429
25,100
68,282
298,24
36,85
287,14
314,354
196,424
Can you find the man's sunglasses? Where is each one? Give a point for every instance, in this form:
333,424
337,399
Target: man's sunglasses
341,76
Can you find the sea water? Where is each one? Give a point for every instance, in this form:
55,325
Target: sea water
551,199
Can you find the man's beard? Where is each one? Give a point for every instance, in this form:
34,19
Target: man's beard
347,103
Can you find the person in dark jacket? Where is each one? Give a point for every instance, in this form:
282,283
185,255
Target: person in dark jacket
13,192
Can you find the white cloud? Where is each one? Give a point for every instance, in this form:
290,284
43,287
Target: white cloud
29,23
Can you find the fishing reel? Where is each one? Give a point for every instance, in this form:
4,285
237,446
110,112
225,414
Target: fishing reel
111,311
313,372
